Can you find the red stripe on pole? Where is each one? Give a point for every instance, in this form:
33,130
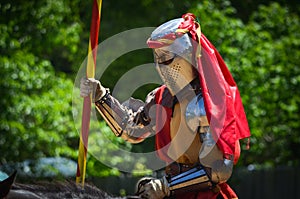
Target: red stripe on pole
90,72
95,26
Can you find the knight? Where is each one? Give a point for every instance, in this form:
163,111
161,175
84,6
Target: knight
196,116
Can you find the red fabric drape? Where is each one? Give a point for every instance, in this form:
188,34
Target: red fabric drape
163,118
222,99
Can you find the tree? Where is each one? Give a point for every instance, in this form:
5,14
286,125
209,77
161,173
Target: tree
36,117
35,109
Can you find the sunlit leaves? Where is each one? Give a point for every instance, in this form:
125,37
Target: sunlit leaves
35,108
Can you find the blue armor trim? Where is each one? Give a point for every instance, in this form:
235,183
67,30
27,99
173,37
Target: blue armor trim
195,176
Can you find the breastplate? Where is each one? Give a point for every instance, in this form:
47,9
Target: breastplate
186,142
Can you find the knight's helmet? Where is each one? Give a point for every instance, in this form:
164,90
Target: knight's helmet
173,55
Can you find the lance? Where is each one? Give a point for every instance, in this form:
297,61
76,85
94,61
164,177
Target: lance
87,102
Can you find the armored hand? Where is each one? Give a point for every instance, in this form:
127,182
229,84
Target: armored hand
91,85
151,188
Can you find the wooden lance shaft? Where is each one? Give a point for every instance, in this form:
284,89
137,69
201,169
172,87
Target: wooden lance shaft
90,73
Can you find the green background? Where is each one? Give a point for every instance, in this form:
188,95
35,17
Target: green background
43,43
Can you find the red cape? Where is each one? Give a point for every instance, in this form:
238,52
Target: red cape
223,104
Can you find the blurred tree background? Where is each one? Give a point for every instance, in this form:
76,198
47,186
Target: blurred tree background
43,43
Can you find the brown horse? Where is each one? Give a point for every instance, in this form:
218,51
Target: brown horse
57,190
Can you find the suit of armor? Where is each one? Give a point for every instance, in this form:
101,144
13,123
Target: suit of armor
195,165
134,123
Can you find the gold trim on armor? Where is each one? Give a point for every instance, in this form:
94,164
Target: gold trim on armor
110,120
200,180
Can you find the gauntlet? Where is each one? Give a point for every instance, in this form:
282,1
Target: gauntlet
91,85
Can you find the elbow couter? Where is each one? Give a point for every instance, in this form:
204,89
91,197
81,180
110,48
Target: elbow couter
222,171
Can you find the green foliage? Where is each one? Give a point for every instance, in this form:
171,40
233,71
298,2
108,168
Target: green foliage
35,109
275,101
35,100
49,29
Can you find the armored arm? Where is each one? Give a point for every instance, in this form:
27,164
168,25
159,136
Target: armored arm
130,120
194,179
210,156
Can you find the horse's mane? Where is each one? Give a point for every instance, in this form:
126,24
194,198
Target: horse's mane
62,190
52,190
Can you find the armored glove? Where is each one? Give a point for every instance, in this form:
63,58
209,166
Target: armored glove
93,86
151,188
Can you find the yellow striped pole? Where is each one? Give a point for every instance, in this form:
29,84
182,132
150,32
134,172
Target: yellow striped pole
90,73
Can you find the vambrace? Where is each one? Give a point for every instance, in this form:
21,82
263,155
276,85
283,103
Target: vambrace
121,120
194,179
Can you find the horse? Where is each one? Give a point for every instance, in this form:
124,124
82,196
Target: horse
52,190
